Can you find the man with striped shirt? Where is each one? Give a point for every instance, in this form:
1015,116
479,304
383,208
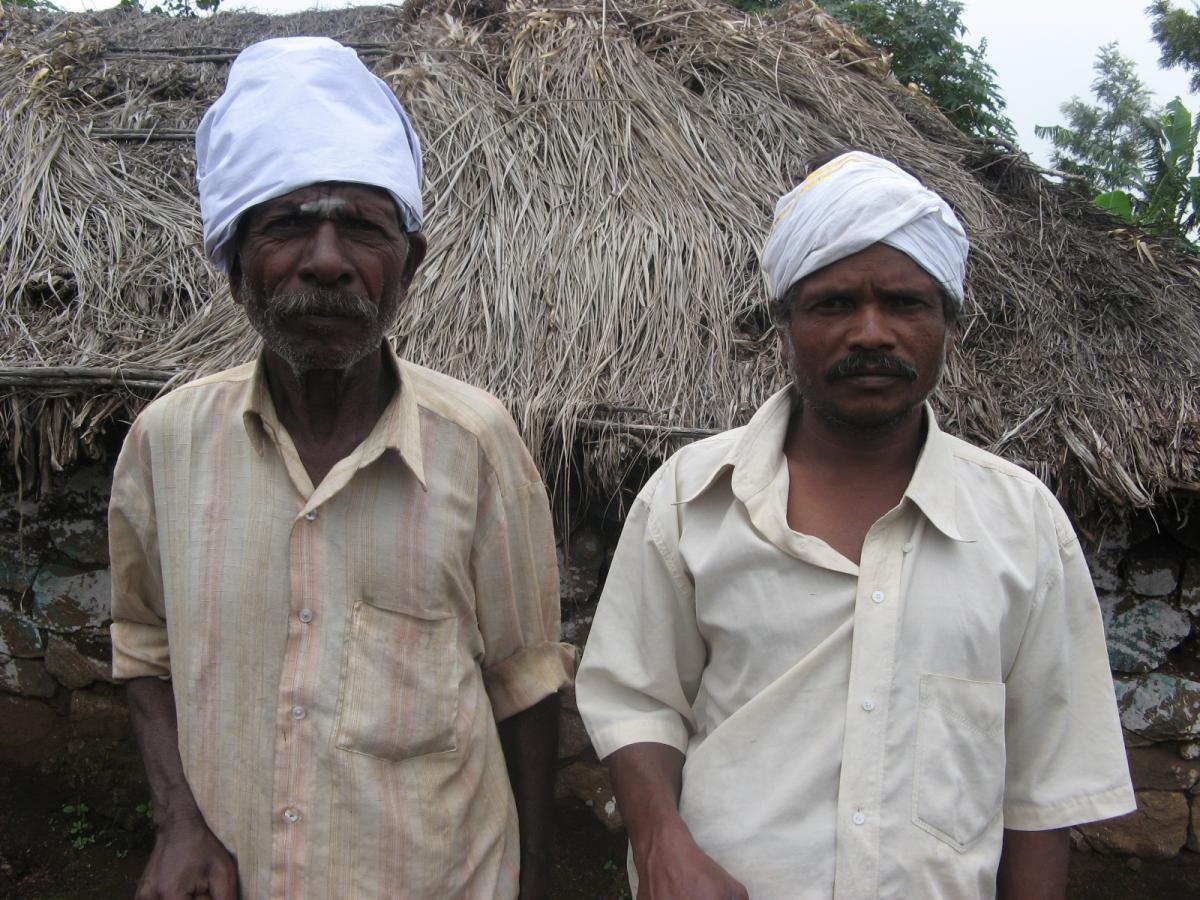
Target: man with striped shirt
334,587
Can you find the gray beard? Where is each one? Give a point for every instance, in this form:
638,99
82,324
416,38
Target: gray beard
268,314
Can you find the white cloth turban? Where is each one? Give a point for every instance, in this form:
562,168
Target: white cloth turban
852,202
298,111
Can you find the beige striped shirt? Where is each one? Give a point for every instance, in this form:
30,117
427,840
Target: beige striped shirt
340,653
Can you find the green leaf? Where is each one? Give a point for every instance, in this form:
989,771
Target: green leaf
1118,203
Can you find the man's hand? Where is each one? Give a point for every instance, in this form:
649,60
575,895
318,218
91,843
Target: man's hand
530,743
672,867
647,779
188,861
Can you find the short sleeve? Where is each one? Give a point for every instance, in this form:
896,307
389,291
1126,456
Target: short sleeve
1066,760
645,656
516,597
139,628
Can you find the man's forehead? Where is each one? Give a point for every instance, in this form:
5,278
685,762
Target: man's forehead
333,199
887,265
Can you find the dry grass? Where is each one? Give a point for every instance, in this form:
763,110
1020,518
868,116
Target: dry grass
600,179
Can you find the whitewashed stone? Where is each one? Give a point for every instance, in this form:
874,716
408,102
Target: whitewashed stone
1157,830
588,782
1160,707
1158,768
1140,637
1193,841
1154,577
19,636
1105,569
579,568
1189,587
65,599
27,677
78,666
1116,536
84,540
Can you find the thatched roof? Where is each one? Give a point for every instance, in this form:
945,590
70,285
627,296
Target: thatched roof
600,178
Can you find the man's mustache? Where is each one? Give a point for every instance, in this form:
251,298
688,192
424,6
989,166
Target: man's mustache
342,304
870,364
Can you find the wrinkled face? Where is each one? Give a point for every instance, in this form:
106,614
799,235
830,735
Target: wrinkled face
322,271
867,338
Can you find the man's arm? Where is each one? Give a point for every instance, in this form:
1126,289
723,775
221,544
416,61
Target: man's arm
530,742
187,860
1033,865
647,779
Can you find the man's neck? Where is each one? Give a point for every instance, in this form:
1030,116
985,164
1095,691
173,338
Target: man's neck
815,441
841,480
328,412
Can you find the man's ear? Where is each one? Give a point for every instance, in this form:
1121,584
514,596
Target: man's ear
417,247
235,280
785,346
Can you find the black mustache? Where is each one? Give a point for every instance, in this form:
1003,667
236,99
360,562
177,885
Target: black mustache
322,303
870,364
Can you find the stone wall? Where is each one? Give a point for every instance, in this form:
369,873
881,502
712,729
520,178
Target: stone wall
1147,575
54,650
54,597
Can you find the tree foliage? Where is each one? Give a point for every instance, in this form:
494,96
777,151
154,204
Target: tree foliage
1167,202
1177,33
42,5
183,8
925,39
1103,142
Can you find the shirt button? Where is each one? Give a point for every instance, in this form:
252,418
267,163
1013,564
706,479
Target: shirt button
310,516
859,818
877,596
291,815
298,712
305,616
868,704
907,548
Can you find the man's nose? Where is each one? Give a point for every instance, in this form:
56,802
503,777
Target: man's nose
325,262
872,328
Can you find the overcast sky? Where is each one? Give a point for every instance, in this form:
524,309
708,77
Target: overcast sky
1042,50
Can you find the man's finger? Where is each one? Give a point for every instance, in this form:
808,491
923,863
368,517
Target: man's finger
224,883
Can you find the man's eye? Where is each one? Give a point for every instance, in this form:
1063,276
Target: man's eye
361,226
282,223
832,303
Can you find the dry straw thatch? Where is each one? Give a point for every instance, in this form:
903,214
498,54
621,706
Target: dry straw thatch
600,177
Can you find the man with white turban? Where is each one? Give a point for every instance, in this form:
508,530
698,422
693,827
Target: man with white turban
840,653
335,599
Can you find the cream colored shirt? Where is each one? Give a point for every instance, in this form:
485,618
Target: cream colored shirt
858,731
340,653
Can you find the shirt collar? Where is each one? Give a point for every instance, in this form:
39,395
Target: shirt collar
754,460
933,487
398,428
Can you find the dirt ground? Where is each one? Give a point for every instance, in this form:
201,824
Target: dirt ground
73,827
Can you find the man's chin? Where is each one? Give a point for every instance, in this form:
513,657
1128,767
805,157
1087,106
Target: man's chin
865,418
303,359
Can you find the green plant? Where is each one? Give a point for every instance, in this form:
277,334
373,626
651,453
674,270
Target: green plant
1168,202
80,831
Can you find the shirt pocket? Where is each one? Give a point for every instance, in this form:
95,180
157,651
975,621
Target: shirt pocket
399,694
958,778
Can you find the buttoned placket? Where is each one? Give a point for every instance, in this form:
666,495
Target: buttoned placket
291,791
877,608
